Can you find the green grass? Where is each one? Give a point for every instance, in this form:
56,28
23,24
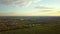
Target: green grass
35,30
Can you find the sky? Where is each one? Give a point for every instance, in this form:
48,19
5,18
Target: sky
29,7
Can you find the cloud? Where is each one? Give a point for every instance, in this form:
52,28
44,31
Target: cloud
6,13
32,13
46,11
43,7
20,3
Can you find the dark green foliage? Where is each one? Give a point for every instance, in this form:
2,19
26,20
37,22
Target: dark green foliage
29,25
42,29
